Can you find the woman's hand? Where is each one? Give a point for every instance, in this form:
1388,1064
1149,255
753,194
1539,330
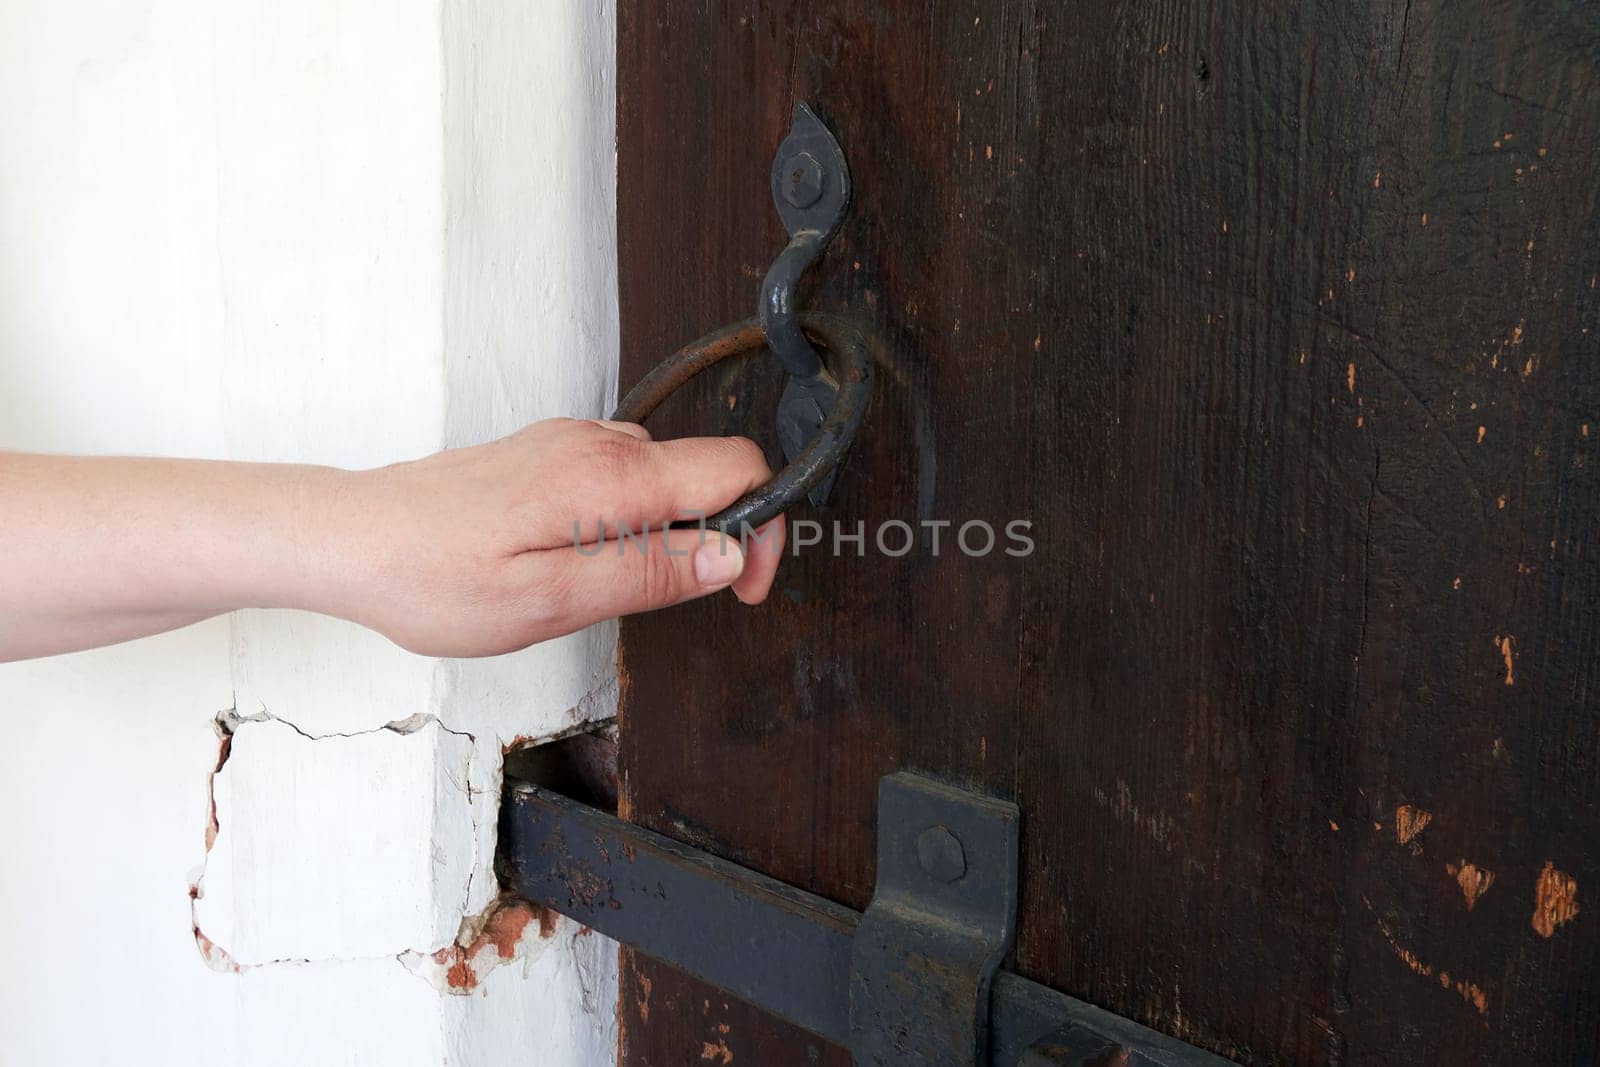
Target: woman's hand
487,549
471,552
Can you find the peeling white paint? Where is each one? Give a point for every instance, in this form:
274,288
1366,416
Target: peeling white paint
508,932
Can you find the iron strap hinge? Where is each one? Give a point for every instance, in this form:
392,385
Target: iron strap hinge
913,980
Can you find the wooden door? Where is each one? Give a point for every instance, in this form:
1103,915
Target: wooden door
1279,322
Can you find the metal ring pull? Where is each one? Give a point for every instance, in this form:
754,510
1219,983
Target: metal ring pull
819,411
851,372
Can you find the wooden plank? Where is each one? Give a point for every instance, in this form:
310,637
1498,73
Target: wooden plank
1280,326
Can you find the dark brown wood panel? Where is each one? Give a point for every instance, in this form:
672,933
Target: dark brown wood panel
1279,322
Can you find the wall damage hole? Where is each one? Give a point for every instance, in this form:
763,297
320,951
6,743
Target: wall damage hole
509,930
582,766
224,724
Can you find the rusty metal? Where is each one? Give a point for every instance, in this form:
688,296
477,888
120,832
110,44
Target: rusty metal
755,937
1078,1046
851,374
784,950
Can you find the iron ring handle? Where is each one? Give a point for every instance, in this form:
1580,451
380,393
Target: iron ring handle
853,371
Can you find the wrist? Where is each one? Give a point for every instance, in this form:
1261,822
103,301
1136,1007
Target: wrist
325,559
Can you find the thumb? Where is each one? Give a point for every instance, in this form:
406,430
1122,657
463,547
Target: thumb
621,577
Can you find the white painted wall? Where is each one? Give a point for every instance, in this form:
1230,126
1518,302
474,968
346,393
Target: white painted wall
338,231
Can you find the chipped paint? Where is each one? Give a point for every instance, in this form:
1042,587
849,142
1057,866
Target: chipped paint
510,930
222,724
1555,900
215,956
1504,645
1473,880
1410,821
1470,992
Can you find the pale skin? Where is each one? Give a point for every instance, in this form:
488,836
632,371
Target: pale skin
468,552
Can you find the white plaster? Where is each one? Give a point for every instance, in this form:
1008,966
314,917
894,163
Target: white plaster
110,304
325,675
110,325
523,326
338,231
102,782
347,1013
329,137
530,271
109,301
329,243
576,1015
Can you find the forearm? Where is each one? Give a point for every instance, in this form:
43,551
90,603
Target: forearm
96,550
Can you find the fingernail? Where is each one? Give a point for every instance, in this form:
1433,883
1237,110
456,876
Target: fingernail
718,562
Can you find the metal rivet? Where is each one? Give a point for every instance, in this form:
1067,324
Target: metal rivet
802,185
940,854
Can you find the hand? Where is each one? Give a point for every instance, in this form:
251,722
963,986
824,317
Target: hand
470,552
483,550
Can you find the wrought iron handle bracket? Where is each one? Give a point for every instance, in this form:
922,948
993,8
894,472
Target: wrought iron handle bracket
822,405
811,190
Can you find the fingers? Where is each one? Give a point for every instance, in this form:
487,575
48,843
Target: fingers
763,551
632,429
615,479
580,585
763,548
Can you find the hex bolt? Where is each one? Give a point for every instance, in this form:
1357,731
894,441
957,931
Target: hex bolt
802,180
940,853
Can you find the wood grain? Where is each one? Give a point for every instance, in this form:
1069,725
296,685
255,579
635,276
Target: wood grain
1279,322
